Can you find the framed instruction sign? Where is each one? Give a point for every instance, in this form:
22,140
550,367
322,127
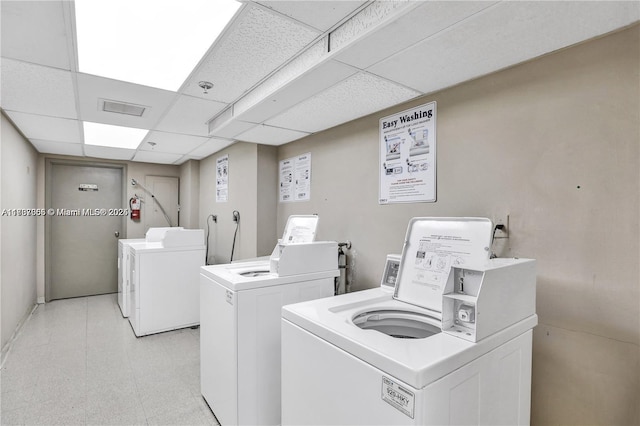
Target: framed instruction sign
408,156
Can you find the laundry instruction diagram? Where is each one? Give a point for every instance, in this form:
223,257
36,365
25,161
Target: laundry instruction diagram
408,156
295,178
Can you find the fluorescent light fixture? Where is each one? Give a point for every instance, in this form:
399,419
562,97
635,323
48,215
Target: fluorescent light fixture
155,43
112,136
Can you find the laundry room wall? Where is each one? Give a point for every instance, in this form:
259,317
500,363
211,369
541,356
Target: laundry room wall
554,143
18,167
252,191
139,171
189,193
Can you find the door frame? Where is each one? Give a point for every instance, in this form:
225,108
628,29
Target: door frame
48,170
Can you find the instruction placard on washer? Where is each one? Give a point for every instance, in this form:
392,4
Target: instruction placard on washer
397,396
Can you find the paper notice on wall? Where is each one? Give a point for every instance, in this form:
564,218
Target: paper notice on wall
408,156
303,177
222,179
295,178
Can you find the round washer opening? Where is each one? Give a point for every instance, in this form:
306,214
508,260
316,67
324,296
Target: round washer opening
397,324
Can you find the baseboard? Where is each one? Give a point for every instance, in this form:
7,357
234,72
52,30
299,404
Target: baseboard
6,349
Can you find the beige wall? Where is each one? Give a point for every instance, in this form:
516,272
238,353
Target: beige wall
18,167
138,171
267,199
555,144
250,179
189,193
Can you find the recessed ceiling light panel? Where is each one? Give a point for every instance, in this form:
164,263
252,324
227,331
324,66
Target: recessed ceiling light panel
112,136
154,43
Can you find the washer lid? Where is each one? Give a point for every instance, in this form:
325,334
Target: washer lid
432,245
300,229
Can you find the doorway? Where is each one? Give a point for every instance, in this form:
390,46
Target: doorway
84,220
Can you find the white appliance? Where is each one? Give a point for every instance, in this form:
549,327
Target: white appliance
298,229
123,273
164,290
240,308
152,235
450,345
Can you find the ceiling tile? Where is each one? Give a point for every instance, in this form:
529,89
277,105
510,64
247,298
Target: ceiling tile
53,147
47,128
108,152
433,17
212,146
269,135
26,24
258,42
321,15
190,115
37,90
501,36
173,143
156,157
92,89
357,96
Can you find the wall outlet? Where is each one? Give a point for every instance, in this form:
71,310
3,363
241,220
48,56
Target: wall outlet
502,232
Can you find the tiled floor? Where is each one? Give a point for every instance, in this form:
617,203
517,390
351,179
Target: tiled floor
77,361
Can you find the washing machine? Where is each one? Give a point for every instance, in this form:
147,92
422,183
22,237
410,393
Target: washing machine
450,345
240,306
298,229
164,281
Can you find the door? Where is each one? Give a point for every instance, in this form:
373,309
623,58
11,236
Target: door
83,232
166,196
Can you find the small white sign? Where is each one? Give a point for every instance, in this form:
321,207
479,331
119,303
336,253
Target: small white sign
295,178
88,187
222,179
229,297
397,396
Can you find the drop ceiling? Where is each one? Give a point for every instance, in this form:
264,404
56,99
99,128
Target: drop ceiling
281,69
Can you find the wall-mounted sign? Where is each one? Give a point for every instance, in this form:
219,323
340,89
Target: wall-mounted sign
295,178
222,179
88,187
408,156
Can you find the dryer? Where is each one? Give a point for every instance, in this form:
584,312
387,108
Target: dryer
240,306
123,273
152,235
164,275
450,345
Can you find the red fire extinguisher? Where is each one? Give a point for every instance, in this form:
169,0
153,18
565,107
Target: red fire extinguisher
134,206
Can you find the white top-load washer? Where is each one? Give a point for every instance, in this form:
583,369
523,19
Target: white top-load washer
240,306
164,273
152,235
450,345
